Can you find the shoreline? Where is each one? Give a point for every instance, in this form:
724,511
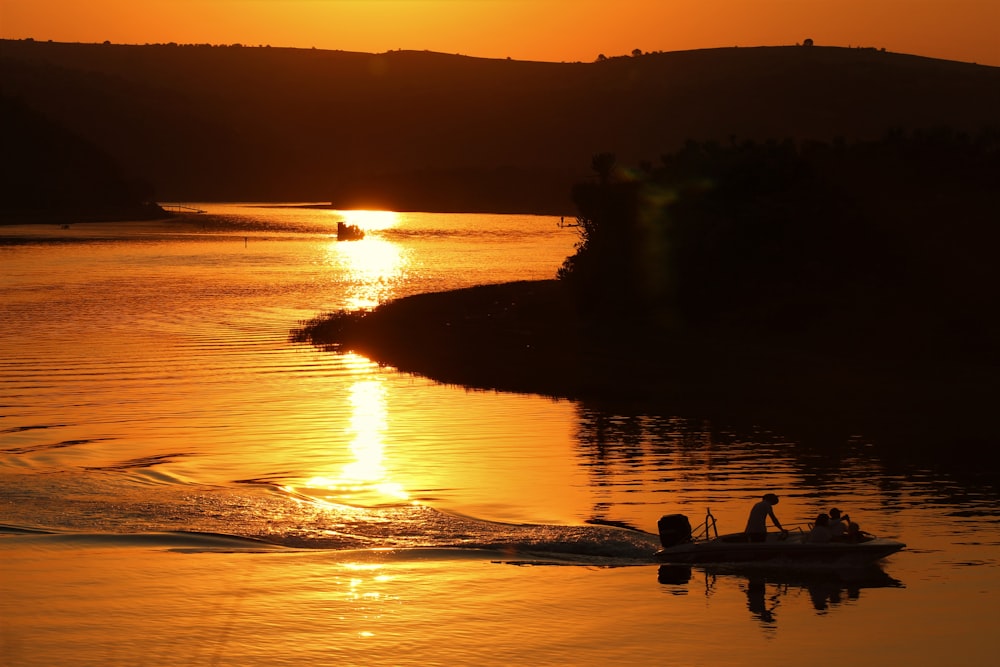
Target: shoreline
526,337
142,213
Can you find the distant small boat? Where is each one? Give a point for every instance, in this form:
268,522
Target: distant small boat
347,232
780,549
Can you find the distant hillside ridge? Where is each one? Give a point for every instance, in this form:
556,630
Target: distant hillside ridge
420,130
50,174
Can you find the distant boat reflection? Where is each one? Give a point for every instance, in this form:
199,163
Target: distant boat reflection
767,588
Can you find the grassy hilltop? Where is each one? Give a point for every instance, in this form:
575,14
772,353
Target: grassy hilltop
428,131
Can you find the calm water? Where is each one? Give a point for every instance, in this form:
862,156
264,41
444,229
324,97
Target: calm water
149,396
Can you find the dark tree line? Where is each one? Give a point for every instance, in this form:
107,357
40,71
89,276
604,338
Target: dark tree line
785,238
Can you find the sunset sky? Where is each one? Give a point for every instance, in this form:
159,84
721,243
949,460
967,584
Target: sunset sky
551,30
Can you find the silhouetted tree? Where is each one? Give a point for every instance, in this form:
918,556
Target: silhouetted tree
604,165
779,239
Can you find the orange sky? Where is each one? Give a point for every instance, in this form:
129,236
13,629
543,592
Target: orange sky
555,30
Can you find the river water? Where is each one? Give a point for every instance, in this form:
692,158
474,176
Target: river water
181,484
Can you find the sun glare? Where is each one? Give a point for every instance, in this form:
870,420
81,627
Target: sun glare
370,221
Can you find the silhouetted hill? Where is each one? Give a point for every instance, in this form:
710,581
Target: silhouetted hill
48,173
420,130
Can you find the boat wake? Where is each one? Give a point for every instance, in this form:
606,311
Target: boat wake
518,545
260,518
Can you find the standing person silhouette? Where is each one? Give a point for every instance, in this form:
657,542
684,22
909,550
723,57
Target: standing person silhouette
756,530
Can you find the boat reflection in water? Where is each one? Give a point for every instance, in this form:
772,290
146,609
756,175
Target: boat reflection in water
766,588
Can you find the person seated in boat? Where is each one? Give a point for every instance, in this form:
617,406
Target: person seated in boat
854,534
838,523
756,530
821,530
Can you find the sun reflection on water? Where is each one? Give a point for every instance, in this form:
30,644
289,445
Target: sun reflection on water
372,268
363,480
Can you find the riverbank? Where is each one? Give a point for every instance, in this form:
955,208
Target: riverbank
528,337
141,212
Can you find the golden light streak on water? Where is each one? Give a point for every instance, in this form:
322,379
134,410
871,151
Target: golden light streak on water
365,476
372,268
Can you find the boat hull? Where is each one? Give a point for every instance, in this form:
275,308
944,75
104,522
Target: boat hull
791,551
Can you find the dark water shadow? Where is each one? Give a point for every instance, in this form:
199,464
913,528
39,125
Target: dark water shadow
767,589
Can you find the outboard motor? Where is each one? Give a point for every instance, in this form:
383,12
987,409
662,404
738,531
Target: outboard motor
674,529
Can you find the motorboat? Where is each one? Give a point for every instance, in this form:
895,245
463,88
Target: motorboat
682,546
346,232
